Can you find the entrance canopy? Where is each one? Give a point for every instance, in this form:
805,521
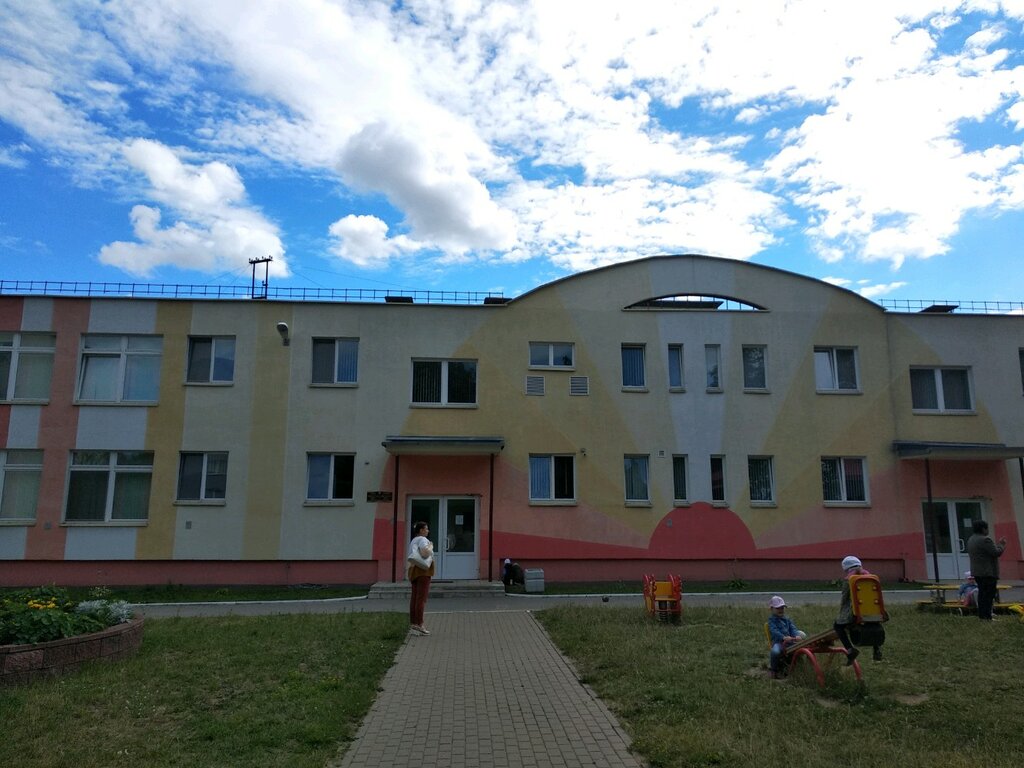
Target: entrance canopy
443,445
957,451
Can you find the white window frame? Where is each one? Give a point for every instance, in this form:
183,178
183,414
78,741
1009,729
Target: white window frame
769,463
20,344
331,496
444,395
940,396
113,468
552,461
713,360
681,459
20,462
676,377
123,354
840,463
749,386
547,349
832,370
336,380
1020,356
203,496
643,463
642,385
218,345
718,500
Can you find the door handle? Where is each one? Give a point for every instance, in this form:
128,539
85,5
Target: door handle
961,545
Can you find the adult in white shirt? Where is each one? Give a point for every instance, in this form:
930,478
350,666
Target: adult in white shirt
420,551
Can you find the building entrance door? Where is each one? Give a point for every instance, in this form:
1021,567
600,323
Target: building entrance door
947,526
453,531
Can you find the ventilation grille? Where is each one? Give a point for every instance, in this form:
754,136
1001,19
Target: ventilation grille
535,385
579,385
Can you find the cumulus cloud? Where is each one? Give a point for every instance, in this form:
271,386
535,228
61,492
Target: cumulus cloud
364,241
214,231
874,291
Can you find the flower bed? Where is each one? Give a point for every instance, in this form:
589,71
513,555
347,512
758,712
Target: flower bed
46,633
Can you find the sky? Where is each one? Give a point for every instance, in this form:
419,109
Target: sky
496,146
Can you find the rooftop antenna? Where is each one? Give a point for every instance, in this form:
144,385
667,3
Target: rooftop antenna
266,275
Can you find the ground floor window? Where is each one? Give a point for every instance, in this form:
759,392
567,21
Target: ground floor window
109,486
843,479
330,476
20,472
552,477
202,476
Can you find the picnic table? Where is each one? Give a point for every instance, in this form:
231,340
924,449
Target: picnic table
938,591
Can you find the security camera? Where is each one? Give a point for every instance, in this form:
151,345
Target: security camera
282,328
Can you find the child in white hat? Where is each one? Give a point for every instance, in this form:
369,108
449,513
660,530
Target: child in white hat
782,631
851,566
969,590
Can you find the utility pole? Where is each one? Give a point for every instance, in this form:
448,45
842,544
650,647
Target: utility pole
266,275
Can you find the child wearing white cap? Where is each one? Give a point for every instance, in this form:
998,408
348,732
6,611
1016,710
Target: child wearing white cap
851,566
969,590
782,631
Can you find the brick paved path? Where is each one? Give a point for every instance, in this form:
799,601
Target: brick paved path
500,694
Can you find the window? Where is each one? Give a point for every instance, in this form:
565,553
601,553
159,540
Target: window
552,478
120,369
843,479
26,365
109,486
675,366
444,382
554,354
202,476
679,478
761,478
1020,354
835,369
940,389
335,361
633,366
329,476
755,374
636,479
712,362
211,360
20,472
718,478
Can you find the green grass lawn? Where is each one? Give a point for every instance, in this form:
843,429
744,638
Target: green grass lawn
949,693
268,691
178,593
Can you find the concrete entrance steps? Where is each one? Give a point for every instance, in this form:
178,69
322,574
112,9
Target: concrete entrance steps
439,588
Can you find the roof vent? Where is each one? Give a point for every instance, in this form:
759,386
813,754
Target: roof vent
398,299
940,309
495,300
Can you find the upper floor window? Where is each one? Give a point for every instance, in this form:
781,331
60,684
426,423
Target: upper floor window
835,369
330,476
1020,354
211,360
636,480
713,365
675,366
718,478
843,479
941,389
444,382
633,366
761,479
679,478
26,365
755,368
552,477
202,476
335,361
109,486
552,354
20,473
120,369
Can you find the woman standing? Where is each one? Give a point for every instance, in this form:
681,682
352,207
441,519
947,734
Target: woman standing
421,568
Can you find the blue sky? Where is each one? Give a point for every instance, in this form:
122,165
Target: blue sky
495,146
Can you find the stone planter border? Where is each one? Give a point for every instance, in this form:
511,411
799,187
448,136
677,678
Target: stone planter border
24,663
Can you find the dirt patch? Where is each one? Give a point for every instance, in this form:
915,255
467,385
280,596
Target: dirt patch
912,699
826,703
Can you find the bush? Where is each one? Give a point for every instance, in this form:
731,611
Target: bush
48,613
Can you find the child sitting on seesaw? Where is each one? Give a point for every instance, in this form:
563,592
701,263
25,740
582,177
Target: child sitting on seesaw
969,590
782,631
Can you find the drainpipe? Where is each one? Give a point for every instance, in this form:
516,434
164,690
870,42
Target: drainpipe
490,526
394,523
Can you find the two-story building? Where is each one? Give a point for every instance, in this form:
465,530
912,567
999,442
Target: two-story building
702,416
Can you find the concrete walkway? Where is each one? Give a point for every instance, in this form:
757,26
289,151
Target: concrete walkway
495,692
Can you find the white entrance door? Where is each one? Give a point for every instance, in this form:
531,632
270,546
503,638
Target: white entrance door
947,526
453,531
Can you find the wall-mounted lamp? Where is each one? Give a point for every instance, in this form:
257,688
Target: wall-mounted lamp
583,451
282,328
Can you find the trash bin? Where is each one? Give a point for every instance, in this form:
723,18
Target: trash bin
534,578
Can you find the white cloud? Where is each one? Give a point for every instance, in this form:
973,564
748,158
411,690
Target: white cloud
364,241
213,232
874,291
15,155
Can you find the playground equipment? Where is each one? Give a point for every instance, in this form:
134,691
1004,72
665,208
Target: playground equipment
868,615
664,599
